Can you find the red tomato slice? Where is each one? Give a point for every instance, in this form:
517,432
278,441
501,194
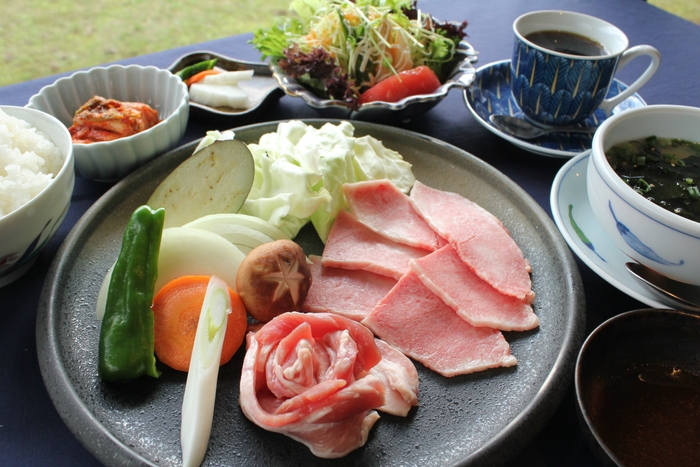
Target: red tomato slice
419,80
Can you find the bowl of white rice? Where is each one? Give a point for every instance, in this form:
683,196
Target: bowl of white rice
36,183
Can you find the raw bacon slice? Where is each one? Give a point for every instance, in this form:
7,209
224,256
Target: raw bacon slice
351,245
417,322
400,379
479,238
387,210
346,292
307,376
446,275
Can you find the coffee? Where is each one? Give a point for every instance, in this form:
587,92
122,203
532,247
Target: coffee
567,43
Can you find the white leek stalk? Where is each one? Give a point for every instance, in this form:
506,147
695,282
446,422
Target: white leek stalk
200,390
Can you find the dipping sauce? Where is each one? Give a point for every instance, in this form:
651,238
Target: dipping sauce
650,416
567,43
663,170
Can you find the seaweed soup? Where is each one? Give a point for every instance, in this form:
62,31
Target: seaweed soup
666,171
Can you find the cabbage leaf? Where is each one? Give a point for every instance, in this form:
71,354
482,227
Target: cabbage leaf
300,171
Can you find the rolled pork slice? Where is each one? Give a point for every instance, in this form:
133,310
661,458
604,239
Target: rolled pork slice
385,209
480,239
475,300
306,375
417,322
400,378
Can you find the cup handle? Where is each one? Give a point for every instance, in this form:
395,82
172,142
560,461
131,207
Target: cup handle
630,54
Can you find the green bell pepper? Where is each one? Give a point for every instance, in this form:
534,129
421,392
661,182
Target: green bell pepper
192,70
126,336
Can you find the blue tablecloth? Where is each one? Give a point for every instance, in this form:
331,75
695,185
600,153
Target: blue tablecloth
31,431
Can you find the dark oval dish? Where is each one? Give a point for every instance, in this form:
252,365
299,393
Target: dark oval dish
480,419
634,344
262,90
461,76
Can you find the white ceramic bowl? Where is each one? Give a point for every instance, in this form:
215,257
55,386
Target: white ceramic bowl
651,235
112,160
26,230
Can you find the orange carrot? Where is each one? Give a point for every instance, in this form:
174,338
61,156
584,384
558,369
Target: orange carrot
176,309
200,76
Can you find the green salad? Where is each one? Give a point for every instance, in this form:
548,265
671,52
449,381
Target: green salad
340,48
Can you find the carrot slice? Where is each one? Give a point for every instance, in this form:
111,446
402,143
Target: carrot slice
176,308
200,76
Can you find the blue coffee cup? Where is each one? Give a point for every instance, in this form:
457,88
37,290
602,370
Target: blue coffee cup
560,87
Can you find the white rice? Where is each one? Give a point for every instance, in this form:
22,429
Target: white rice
28,162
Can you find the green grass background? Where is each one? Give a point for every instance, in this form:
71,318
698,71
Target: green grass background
40,38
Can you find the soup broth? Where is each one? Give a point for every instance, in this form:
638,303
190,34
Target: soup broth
567,43
650,417
665,171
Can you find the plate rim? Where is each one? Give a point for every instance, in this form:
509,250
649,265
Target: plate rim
528,422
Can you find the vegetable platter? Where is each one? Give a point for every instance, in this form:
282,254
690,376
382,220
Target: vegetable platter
476,419
262,89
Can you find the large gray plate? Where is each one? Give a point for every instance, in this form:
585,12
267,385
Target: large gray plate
479,419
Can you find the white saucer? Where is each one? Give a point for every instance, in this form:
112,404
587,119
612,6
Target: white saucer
490,94
578,225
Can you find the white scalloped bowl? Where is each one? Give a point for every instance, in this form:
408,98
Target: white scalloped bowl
26,230
112,160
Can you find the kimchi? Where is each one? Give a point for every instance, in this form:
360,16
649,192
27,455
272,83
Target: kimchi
101,119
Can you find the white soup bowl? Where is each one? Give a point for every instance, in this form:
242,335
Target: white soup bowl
644,231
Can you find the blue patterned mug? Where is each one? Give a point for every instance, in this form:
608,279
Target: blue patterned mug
556,84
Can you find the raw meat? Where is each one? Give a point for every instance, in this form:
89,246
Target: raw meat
417,322
346,292
308,376
479,238
446,275
387,210
351,245
400,379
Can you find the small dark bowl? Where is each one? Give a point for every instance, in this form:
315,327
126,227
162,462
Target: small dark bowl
639,372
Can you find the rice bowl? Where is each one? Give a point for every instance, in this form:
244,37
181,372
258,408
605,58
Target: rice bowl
29,161
36,185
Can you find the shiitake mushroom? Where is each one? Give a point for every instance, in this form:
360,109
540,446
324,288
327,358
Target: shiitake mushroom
273,279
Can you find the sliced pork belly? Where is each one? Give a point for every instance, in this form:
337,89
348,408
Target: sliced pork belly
479,238
417,322
313,377
400,379
387,210
476,301
346,292
352,245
